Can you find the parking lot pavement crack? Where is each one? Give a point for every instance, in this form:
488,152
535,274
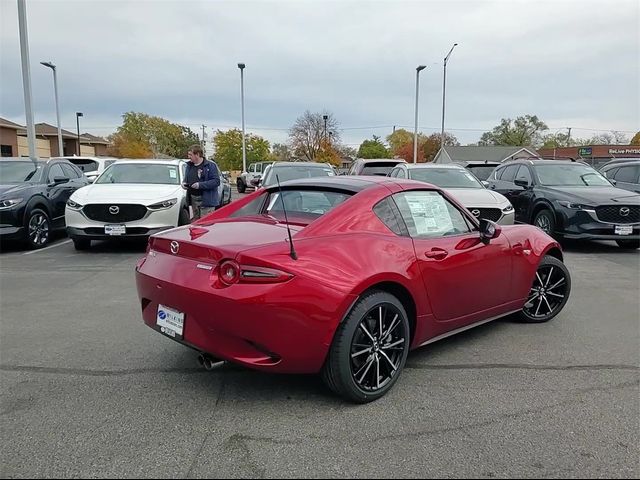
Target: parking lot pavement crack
522,366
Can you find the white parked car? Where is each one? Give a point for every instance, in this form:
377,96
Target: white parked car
92,167
132,198
464,186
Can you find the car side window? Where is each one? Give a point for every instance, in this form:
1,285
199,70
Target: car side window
259,168
56,171
393,173
509,173
69,171
385,211
628,174
401,173
524,174
497,173
611,173
428,214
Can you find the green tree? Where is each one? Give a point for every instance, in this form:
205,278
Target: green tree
431,144
523,131
635,140
228,147
373,149
144,136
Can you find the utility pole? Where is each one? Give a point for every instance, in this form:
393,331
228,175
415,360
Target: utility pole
569,137
203,142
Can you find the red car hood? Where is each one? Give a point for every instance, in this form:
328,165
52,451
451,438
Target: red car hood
221,239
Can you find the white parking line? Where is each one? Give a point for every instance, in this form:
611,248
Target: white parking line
47,248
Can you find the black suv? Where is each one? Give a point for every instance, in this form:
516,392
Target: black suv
33,196
570,200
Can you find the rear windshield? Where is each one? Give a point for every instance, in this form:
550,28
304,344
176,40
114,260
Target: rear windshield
378,168
295,172
302,206
481,171
84,164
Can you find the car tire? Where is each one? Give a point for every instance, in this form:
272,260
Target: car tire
545,221
240,186
38,229
628,244
369,349
81,243
549,292
183,218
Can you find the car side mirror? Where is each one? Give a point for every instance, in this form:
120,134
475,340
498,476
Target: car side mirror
489,230
485,183
59,180
521,183
613,181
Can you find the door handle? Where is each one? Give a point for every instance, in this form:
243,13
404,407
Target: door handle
436,253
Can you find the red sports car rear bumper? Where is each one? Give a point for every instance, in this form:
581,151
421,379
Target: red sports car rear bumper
262,326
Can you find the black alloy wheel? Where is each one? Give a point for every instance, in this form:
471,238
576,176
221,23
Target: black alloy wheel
549,292
369,349
544,221
38,229
240,186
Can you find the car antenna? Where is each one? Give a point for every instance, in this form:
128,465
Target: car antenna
293,250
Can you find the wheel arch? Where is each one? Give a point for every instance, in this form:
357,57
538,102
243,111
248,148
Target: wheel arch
543,205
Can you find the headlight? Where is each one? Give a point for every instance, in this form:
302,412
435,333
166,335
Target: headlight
12,202
73,205
507,209
163,205
577,206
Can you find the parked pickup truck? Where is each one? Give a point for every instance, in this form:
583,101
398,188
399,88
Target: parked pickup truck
252,177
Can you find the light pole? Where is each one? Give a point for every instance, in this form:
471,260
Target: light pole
55,89
26,78
244,148
444,87
325,117
78,115
415,129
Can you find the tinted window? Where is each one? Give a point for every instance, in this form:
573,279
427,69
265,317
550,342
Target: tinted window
386,214
56,171
610,173
401,173
306,203
524,174
85,164
429,215
628,174
17,171
70,171
498,173
377,168
481,172
509,173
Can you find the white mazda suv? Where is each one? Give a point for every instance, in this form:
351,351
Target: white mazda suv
131,198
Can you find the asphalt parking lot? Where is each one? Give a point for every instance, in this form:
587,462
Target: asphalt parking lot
89,391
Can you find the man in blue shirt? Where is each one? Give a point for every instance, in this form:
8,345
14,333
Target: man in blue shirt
201,182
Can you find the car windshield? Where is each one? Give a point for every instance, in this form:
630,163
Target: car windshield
481,172
19,171
570,175
140,173
295,172
445,177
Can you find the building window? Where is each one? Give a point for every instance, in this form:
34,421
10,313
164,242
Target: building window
6,151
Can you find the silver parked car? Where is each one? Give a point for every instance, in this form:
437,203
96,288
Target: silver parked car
463,185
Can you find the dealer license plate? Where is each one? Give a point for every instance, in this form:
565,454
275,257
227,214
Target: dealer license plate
623,229
115,229
170,321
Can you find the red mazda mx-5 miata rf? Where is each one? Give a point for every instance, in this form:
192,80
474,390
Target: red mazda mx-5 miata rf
343,276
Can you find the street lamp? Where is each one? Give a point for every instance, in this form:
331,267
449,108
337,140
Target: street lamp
325,117
244,148
415,130
55,89
78,115
444,87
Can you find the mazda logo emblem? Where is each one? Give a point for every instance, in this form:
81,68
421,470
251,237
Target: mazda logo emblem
624,211
175,246
114,209
475,213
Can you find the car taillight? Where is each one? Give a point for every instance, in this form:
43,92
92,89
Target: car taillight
230,273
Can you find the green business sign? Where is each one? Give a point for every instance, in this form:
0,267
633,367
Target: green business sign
584,152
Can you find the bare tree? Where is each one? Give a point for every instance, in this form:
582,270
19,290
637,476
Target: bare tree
308,133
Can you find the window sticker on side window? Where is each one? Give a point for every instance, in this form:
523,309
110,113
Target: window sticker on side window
430,214
173,173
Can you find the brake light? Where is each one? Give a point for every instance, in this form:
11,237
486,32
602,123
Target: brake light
230,273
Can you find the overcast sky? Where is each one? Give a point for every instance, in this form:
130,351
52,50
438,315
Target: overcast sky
573,63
